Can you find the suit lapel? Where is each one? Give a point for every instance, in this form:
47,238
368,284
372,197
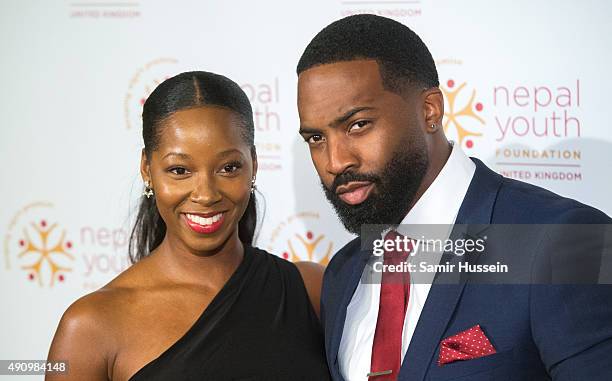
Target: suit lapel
477,208
355,270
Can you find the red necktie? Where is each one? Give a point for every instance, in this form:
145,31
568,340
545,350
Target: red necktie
394,296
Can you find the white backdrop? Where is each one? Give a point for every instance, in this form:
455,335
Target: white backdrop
526,82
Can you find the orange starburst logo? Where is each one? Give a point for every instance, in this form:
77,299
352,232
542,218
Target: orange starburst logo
456,116
309,243
47,246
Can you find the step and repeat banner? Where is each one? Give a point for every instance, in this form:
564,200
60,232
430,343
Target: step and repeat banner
526,84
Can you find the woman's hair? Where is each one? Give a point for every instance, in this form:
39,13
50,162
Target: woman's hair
184,91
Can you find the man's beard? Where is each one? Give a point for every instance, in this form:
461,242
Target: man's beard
395,189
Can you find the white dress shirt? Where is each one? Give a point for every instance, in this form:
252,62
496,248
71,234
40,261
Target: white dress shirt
438,205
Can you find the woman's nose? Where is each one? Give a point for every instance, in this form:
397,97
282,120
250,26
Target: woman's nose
205,191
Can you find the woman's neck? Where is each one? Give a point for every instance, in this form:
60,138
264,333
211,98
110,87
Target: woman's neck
179,264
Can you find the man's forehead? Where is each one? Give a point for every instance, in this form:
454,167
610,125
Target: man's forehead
340,85
357,72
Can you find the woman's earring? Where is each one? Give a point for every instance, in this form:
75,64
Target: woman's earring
148,191
433,127
253,186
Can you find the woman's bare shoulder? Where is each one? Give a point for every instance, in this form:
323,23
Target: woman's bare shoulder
107,301
88,332
312,275
93,314
84,338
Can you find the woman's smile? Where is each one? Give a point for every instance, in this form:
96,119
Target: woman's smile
204,224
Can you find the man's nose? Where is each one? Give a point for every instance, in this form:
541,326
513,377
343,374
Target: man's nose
340,157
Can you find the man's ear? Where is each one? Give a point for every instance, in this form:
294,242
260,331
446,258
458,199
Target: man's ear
145,170
433,108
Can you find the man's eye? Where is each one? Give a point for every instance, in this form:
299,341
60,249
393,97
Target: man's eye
358,125
314,139
180,171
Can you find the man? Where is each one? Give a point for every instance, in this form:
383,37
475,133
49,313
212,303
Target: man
371,112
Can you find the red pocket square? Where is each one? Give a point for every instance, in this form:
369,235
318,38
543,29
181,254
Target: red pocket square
466,345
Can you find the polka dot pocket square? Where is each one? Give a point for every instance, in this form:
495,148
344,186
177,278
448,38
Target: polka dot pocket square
467,345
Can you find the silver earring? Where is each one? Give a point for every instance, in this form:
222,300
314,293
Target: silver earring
253,186
433,127
148,191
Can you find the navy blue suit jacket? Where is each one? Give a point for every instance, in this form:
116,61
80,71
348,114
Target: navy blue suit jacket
540,332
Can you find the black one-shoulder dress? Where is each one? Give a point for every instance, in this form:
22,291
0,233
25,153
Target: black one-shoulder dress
260,326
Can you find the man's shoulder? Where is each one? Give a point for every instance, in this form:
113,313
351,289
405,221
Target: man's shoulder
519,202
343,255
337,274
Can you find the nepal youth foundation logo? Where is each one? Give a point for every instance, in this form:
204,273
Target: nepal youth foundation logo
37,245
142,84
303,247
297,242
462,120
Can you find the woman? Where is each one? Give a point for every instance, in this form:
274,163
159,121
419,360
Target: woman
200,303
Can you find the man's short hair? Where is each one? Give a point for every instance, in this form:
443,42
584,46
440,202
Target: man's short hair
401,55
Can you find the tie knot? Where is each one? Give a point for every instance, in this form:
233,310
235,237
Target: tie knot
392,235
400,249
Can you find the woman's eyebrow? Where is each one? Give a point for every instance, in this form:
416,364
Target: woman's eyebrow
229,152
179,154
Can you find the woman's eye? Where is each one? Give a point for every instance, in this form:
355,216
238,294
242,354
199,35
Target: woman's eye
231,167
180,171
358,125
314,139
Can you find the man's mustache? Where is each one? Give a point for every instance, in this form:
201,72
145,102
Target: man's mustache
347,177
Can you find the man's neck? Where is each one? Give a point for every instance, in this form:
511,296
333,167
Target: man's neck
436,162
